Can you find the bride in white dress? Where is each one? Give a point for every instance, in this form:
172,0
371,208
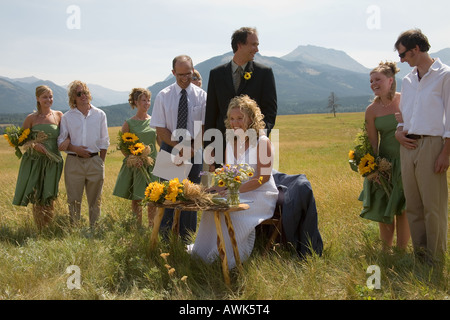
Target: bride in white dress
247,145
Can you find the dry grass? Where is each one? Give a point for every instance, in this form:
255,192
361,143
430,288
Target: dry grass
116,262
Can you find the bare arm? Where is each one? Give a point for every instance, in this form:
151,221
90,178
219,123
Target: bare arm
372,131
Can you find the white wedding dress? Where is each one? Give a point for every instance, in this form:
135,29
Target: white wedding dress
262,203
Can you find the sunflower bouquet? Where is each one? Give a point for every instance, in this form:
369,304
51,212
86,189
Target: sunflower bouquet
363,160
174,191
17,137
137,153
20,138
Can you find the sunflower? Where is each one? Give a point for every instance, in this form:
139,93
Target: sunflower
9,141
154,191
175,188
129,137
237,179
137,148
351,155
247,75
24,135
221,183
367,164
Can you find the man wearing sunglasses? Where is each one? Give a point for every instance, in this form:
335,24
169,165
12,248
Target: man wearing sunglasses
424,136
84,136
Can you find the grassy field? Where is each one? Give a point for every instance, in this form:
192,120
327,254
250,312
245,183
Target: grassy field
115,261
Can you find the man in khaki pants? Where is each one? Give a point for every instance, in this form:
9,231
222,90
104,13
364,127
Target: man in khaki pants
424,136
84,136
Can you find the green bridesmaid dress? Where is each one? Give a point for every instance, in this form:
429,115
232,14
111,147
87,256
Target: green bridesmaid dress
377,205
131,183
39,176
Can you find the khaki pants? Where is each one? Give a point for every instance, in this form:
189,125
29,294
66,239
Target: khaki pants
426,196
80,174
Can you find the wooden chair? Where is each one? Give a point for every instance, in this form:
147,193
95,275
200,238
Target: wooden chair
274,230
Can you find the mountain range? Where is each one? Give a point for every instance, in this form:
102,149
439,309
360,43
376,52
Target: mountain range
304,78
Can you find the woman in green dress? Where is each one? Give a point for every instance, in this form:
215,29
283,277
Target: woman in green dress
381,124
39,173
131,182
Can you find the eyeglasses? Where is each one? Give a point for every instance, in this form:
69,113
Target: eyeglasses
402,55
194,78
79,94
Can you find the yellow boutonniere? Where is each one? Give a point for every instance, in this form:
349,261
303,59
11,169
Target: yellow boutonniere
247,75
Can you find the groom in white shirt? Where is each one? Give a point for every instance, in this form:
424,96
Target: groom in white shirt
424,136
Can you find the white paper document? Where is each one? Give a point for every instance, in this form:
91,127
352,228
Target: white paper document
166,169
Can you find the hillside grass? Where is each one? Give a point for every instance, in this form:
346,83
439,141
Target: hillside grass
116,262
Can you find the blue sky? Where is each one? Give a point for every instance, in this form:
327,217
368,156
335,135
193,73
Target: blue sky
124,44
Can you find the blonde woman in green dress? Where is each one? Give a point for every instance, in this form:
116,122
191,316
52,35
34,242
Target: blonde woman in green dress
131,183
39,174
381,124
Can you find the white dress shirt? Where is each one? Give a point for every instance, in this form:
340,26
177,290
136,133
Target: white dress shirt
165,108
90,131
425,104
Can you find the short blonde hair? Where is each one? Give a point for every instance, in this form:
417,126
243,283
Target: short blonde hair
136,94
250,108
40,90
73,92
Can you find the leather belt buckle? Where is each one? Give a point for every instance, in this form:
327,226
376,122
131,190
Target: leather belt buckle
417,136
414,136
90,155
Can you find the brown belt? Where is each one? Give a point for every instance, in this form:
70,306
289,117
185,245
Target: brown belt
416,136
90,155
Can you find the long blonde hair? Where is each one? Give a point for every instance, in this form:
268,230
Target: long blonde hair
389,69
40,90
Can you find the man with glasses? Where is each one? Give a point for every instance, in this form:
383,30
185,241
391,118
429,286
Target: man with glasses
178,116
84,137
424,136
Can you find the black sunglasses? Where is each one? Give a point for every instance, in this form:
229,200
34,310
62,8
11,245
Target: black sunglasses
79,94
402,55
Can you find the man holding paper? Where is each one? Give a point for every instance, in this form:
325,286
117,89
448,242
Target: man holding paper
178,117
